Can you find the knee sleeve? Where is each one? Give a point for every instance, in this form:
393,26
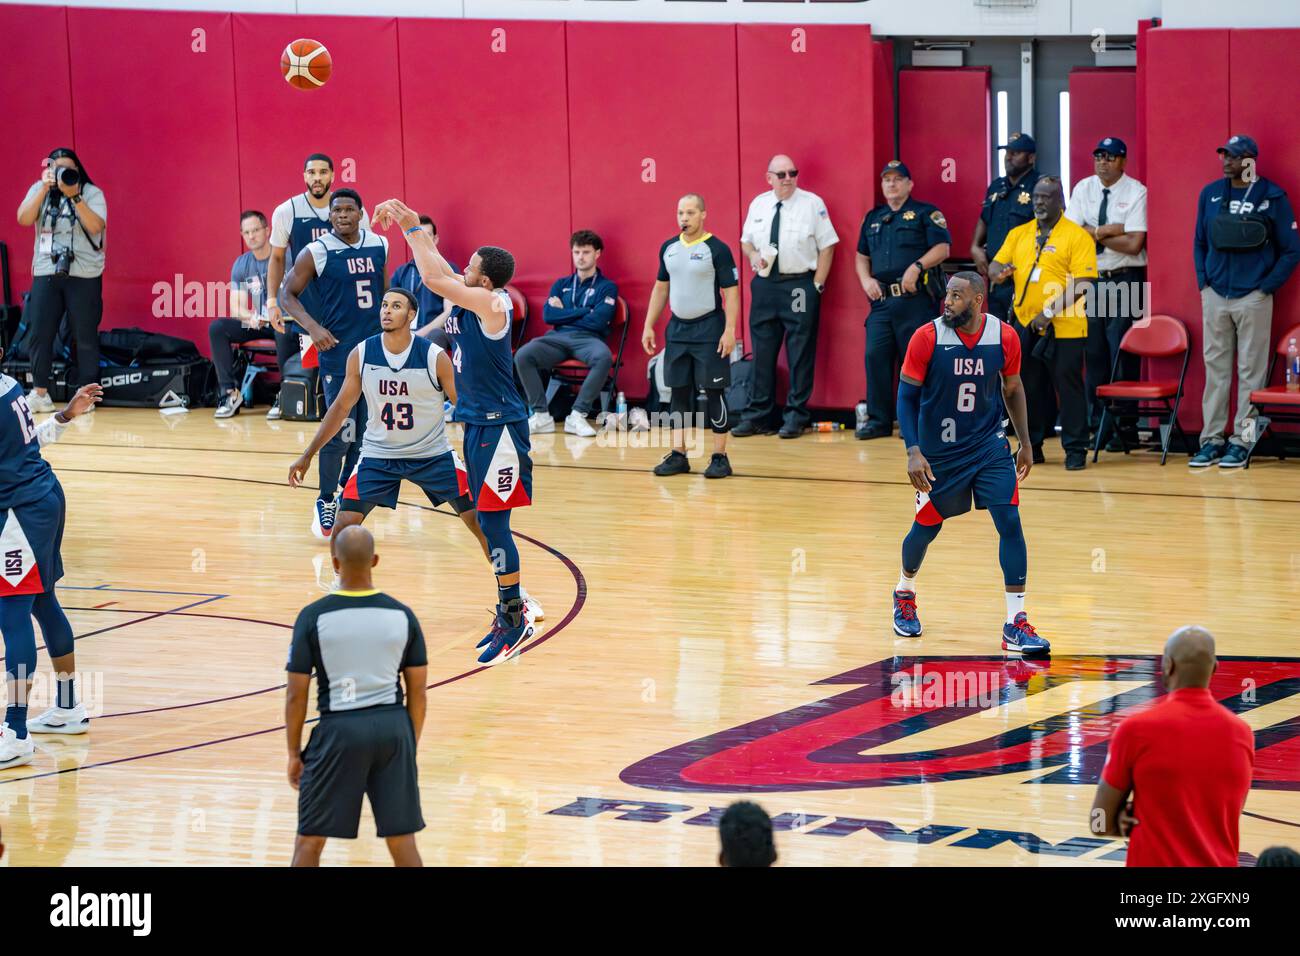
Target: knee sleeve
55,627
1012,553
915,544
717,408
19,637
501,543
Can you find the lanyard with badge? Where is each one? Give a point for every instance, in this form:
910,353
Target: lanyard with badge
1034,271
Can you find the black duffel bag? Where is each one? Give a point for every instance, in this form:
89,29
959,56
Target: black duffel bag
135,346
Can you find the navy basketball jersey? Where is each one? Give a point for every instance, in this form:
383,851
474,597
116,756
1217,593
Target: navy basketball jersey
349,286
485,368
24,475
961,385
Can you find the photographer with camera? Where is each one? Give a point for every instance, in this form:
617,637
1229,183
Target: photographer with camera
68,210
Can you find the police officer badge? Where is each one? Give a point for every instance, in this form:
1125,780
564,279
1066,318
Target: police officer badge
909,215
936,217
1023,199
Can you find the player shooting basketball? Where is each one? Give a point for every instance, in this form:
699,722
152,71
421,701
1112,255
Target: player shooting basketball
490,406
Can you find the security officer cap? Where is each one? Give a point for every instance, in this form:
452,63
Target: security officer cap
895,166
1020,143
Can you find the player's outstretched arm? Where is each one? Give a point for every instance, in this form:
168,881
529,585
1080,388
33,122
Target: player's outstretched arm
434,271
334,418
446,376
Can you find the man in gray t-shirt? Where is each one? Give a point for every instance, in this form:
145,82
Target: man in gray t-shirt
248,322
70,215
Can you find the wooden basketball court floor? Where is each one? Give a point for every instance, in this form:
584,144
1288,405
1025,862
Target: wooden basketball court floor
705,641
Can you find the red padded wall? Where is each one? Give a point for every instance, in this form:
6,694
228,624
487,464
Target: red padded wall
1187,118
486,143
830,139
883,102
643,94
37,118
355,118
1258,87
153,122
1103,102
944,138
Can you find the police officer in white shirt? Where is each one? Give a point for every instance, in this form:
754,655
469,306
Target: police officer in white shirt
1112,208
789,241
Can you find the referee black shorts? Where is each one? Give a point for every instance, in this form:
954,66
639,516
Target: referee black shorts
351,753
691,358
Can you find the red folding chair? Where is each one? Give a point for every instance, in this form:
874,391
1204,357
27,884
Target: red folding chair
519,307
1273,403
1160,336
573,372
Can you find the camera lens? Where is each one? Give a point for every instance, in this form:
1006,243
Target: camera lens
68,176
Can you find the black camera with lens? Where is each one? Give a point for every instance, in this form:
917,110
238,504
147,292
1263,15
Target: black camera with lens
62,257
68,176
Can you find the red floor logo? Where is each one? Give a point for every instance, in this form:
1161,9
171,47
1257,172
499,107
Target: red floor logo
827,745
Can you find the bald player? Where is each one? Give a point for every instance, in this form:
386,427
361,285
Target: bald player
362,646
1185,762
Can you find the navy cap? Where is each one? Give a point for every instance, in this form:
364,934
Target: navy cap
1240,146
1020,143
895,166
1112,145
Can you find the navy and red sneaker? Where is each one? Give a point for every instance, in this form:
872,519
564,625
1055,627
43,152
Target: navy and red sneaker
1021,636
505,639
906,623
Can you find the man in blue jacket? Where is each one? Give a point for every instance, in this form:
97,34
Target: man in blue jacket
579,311
1239,265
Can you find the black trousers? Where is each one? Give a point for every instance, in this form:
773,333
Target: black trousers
547,351
890,327
83,300
790,309
1055,386
223,334
999,301
1118,302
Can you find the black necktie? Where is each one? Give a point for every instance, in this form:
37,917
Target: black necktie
775,237
1101,214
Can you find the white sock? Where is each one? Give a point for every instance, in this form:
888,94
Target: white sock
1015,604
905,583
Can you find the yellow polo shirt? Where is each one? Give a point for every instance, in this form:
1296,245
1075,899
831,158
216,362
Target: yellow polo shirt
1068,253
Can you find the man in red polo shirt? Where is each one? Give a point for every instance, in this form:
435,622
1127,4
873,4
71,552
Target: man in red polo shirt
1187,761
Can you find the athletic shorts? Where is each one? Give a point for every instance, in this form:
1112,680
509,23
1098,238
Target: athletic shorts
31,539
331,385
988,477
376,482
695,362
498,468
368,752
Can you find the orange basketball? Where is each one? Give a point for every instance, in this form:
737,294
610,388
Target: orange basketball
306,64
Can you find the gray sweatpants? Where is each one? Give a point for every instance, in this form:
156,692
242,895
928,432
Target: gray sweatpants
1243,326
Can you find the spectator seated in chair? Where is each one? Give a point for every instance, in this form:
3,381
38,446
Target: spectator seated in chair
248,321
579,310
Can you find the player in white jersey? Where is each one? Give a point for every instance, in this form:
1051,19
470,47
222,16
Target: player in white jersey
406,380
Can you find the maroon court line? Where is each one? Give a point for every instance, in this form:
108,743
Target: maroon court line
580,599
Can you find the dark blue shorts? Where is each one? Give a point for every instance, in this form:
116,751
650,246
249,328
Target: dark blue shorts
331,385
376,481
989,477
499,470
31,537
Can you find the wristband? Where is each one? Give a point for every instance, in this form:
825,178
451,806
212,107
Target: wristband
411,230
77,198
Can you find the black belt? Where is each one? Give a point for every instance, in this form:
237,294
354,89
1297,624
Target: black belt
1121,273
787,276
895,290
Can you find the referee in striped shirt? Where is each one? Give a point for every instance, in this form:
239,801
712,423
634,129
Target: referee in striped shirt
362,645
